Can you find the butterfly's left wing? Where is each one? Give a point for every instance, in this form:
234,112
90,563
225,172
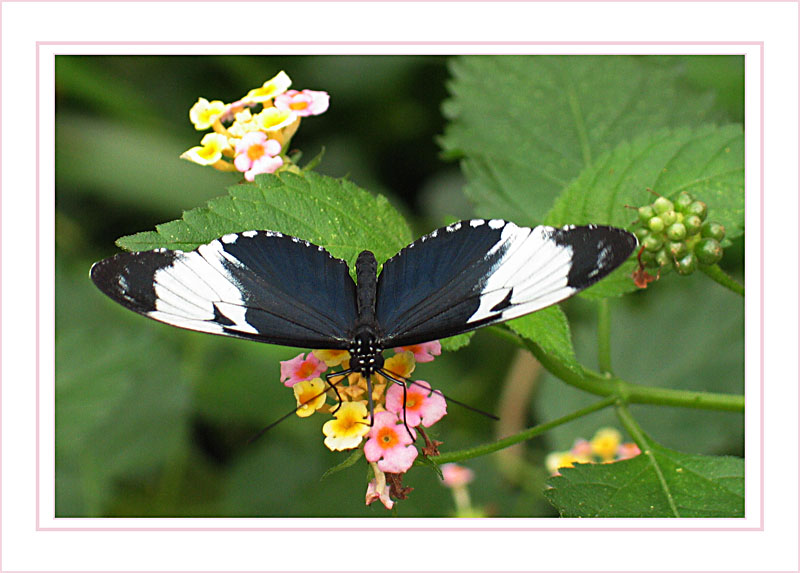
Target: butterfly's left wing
259,285
479,272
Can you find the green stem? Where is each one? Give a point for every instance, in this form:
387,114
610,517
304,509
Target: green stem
604,335
607,385
466,454
719,276
631,425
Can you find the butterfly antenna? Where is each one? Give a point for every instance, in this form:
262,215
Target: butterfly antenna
404,380
332,385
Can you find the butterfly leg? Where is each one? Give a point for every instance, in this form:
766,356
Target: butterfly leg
405,398
328,376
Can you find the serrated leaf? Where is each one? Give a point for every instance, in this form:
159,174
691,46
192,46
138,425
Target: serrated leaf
549,328
333,213
708,162
453,343
664,483
527,125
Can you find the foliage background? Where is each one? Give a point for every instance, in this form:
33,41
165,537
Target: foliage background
154,421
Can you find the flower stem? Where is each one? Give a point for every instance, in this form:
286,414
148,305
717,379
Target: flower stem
716,274
608,385
523,435
604,335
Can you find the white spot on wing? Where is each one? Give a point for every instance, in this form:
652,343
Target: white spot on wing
229,238
533,267
476,223
249,234
187,290
496,223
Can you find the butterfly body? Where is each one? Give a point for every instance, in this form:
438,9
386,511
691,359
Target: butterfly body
278,289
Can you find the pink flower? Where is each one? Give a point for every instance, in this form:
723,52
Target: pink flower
378,489
298,369
423,352
422,405
454,475
304,103
256,154
627,450
389,444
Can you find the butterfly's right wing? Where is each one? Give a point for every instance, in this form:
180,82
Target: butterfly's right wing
258,285
474,273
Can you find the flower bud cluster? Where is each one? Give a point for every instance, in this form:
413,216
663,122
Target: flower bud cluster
676,234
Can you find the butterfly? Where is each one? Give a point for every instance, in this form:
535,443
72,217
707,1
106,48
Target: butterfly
279,289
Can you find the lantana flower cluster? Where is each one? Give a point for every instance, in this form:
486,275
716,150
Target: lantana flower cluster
252,135
387,438
606,446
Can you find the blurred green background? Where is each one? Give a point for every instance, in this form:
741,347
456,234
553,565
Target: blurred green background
154,421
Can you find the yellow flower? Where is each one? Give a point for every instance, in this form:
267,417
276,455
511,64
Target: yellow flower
204,113
243,124
401,365
310,395
350,424
209,151
275,86
556,460
332,357
272,119
605,443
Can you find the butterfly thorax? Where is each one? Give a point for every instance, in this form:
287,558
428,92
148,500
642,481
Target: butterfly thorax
365,352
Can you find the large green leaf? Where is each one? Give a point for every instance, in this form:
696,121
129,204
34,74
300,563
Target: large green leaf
527,125
663,483
708,162
330,212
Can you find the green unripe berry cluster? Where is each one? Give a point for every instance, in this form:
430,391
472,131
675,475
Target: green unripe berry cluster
675,234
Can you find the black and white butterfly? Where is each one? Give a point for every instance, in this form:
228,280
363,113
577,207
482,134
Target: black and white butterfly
274,288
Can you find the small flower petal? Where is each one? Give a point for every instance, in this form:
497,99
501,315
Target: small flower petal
389,444
422,405
332,357
605,443
271,88
349,426
424,352
310,396
209,151
304,103
299,368
204,113
454,475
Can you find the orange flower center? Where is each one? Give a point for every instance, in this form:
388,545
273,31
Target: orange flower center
387,438
296,105
307,369
255,151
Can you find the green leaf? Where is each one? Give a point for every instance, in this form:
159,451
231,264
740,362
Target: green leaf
549,328
455,342
527,125
708,162
664,483
330,212
348,462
